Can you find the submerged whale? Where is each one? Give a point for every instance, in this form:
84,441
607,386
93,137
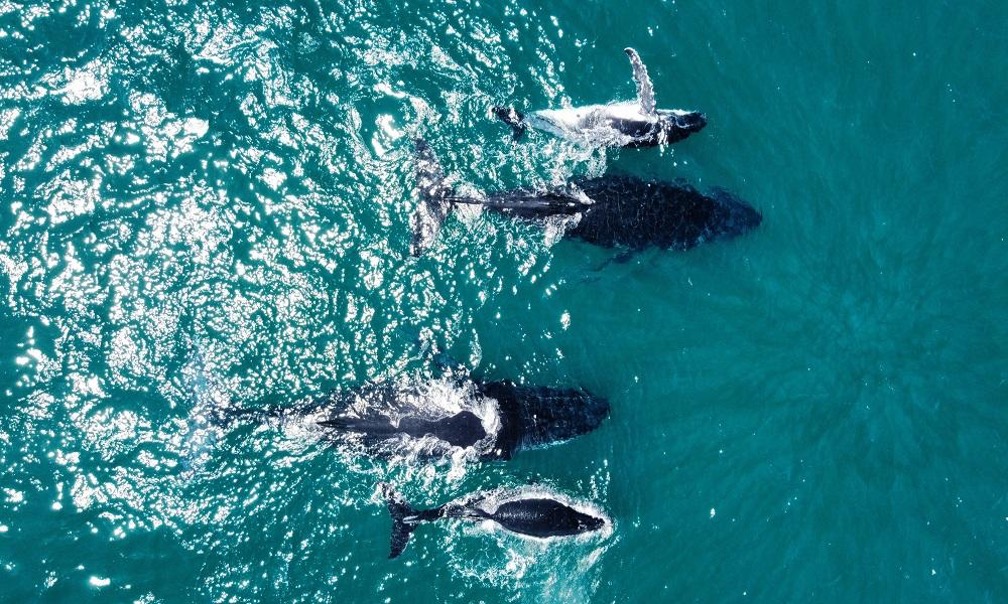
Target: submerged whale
611,210
443,417
635,124
531,512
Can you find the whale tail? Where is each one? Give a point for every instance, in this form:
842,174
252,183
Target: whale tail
435,202
357,424
270,414
372,429
404,520
512,117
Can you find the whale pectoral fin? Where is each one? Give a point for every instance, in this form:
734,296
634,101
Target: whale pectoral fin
645,89
512,117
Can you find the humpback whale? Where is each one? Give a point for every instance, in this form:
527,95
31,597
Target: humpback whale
608,211
532,512
441,417
635,124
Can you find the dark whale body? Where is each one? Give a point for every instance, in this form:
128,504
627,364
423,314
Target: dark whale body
530,512
611,210
490,420
622,210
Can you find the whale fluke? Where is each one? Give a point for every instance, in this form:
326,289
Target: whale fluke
402,528
434,203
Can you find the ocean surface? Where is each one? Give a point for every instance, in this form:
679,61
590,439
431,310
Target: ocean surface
208,204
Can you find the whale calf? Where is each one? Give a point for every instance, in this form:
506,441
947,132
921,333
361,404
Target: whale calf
532,512
609,211
443,417
635,124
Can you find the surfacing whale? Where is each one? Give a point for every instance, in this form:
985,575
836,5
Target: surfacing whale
635,124
531,512
443,417
609,211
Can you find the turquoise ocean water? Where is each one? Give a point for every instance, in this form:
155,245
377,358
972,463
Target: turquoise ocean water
221,190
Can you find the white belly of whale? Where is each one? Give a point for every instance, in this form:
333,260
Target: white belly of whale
590,116
591,124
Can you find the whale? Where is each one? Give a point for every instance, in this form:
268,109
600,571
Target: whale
530,512
626,124
441,417
610,211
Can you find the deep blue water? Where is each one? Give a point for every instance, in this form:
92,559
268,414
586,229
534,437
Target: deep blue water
208,204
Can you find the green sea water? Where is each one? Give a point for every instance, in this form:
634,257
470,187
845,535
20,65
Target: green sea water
815,411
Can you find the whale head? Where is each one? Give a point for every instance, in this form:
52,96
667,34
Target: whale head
677,124
590,523
736,217
537,416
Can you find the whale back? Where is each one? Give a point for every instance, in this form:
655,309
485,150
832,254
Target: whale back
636,213
567,200
543,517
490,420
406,416
616,124
464,429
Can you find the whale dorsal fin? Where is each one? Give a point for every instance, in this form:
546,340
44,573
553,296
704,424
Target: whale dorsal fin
645,90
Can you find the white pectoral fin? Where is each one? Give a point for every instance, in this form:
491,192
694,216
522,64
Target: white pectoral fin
645,89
